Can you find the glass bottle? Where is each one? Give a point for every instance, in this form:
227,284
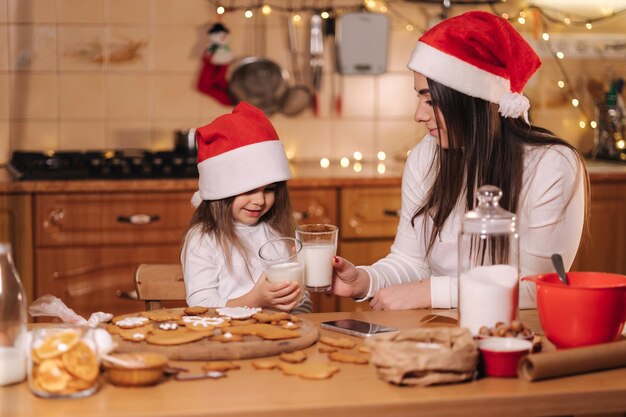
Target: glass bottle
488,262
13,321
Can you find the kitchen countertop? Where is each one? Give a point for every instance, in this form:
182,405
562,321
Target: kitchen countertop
306,175
355,391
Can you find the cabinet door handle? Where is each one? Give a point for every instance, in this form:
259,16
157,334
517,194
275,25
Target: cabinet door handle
391,213
139,219
127,295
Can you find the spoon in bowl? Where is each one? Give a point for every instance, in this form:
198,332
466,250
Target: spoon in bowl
557,261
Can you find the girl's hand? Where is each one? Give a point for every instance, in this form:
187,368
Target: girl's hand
403,296
282,296
348,281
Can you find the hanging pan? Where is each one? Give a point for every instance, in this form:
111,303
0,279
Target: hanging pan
298,96
260,82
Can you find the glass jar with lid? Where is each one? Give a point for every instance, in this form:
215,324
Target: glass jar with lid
13,321
488,262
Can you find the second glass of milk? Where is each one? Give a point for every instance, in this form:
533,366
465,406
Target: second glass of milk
281,261
319,245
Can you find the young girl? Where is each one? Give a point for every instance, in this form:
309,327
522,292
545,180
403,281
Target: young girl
469,72
242,202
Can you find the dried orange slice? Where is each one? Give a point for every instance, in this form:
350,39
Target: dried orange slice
51,377
81,362
56,345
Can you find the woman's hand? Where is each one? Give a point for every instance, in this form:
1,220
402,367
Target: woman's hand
349,281
403,296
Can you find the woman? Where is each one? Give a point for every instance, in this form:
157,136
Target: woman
469,72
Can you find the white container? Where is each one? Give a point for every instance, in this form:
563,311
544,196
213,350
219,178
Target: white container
488,262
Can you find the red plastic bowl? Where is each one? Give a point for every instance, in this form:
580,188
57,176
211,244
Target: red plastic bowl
500,355
590,310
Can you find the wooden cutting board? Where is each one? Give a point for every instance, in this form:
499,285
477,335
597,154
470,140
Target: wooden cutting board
205,349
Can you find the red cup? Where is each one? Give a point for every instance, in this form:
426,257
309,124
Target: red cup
500,355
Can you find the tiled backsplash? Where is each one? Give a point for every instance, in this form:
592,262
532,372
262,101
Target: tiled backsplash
58,90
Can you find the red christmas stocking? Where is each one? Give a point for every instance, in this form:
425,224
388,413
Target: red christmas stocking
212,80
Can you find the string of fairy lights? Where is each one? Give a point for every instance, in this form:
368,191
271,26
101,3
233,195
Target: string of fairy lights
543,16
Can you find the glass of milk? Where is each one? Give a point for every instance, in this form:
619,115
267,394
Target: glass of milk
319,245
488,262
280,258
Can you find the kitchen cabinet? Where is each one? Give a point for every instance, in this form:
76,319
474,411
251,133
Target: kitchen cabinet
87,245
16,227
603,248
369,220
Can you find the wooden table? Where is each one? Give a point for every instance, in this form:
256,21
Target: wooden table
354,391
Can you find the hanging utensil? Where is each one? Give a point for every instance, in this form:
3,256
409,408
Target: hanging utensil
317,58
336,80
298,96
258,80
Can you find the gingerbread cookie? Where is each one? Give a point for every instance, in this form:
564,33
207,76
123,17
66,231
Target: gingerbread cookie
327,349
132,322
138,334
242,322
309,370
265,331
161,315
289,325
271,317
195,310
342,342
346,357
179,336
220,366
264,364
297,356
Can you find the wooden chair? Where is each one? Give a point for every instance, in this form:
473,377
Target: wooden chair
159,282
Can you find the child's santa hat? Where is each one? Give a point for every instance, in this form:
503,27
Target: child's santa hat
479,54
238,152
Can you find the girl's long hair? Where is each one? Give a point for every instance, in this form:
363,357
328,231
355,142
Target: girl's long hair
215,218
483,148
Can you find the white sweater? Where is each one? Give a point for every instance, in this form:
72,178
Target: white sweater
550,221
208,281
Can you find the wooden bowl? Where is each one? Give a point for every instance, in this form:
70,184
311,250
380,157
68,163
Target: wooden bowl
135,369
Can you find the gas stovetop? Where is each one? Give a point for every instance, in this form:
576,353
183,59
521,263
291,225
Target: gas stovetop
127,164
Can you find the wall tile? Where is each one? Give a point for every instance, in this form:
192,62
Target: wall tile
357,95
81,48
5,143
128,96
33,48
131,134
81,11
130,11
81,96
170,12
211,108
395,95
4,96
307,139
34,136
4,47
129,48
32,11
174,96
34,96
397,137
4,11
81,135
349,136
401,44
172,49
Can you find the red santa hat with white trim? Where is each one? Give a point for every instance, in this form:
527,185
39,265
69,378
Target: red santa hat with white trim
479,54
238,152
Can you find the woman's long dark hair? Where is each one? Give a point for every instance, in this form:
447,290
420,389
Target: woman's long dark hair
483,148
215,218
